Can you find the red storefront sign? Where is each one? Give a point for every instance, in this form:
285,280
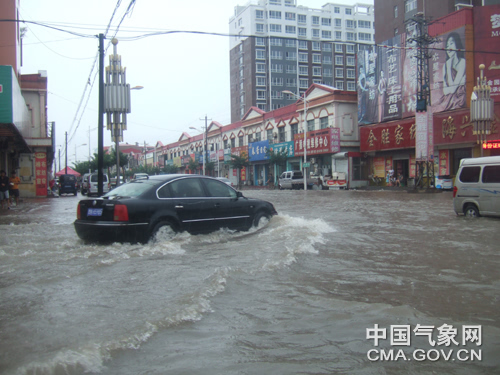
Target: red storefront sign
388,136
324,141
238,151
491,145
41,173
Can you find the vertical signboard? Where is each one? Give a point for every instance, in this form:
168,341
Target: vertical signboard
409,59
391,69
447,71
41,173
367,86
424,136
486,40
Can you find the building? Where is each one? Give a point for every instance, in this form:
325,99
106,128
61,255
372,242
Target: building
26,137
277,45
392,16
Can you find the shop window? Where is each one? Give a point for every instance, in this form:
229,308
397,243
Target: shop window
359,169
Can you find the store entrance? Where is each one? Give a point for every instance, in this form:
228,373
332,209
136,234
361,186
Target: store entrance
402,168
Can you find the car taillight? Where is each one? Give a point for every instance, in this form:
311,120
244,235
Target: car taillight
120,213
78,214
455,189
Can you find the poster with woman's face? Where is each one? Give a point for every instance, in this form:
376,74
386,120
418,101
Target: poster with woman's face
447,71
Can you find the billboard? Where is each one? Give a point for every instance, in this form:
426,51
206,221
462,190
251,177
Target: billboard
487,39
323,141
447,71
257,151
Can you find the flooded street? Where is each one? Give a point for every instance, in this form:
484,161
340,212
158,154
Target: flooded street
299,296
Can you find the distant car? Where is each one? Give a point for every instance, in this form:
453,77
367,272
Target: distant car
113,182
138,210
85,184
67,184
92,184
227,181
138,176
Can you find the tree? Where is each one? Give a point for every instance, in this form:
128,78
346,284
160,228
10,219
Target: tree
123,160
277,158
170,169
193,165
209,167
239,162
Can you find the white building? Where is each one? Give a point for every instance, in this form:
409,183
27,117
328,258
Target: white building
276,45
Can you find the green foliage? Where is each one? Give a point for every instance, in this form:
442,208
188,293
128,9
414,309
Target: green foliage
239,162
193,165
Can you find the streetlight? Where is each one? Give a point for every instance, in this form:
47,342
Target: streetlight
204,152
304,125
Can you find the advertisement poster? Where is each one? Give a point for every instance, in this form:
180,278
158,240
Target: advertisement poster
379,166
388,165
413,166
409,59
41,173
486,39
447,71
322,141
444,163
391,69
281,147
257,151
367,86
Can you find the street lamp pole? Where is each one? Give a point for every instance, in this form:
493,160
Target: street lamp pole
204,150
304,128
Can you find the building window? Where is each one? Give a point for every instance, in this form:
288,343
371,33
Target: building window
339,85
260,54
350,60
281,134
303,71
338,22
327,47
240,141
276,42
274,14
290,16
349,48
259,27
261,81
364,24
316,58
259,14
294,129
276,94
338,35
304,83
302,32
260,42
323,122
290,29
291,56
326,21
317,71
338,48
348,11
410,5
349,24
396,31
339,60
261,95
339,73
351,73
327,59
316,46
233,142
270,134
303,57
260,68
301,18
365,37
302,44
315,20
327,72
326,34
274,28
351,36
276,55
291,82
395,11
291,69
290,43
261,106
315,33
336,10
310,125
276,68
351,86
277,81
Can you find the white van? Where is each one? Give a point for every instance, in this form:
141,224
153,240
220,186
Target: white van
92,184
477,187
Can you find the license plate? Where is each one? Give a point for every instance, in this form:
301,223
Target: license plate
94,212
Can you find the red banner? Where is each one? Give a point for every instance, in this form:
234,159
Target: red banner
41,174
324,141
388,136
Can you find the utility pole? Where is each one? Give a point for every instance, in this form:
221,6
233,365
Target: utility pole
66,154
100,130
205,139
424,145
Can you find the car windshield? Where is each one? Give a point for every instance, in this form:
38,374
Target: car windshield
132,189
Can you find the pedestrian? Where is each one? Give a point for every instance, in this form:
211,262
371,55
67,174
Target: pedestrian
14,187
4,189
270,181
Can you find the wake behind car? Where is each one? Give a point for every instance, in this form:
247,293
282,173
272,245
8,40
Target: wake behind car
138,210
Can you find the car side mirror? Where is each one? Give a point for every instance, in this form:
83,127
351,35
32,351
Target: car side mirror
239,194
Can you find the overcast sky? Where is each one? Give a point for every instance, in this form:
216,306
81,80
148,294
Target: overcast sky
185,76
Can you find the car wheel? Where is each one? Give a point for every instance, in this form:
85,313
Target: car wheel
261,219
471,211
164,230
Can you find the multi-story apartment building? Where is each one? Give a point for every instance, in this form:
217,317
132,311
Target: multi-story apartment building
277,45
392,16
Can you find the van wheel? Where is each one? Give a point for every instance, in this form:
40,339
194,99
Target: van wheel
471,211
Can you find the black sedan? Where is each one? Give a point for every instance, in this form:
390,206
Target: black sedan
138,210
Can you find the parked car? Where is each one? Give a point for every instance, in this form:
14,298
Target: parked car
113,182
138,176
67,184
92,184
227,181
85,183
138,210
477,187
291,180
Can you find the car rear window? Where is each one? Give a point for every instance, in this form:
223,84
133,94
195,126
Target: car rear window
132,189
470,174
491,174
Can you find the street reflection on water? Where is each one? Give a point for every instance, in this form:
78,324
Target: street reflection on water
293,297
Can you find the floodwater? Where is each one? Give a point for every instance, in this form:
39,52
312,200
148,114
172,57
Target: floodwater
298,296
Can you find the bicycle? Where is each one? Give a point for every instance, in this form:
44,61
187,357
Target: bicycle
375,179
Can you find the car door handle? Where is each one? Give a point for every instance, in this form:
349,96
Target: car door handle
179,206
217,205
